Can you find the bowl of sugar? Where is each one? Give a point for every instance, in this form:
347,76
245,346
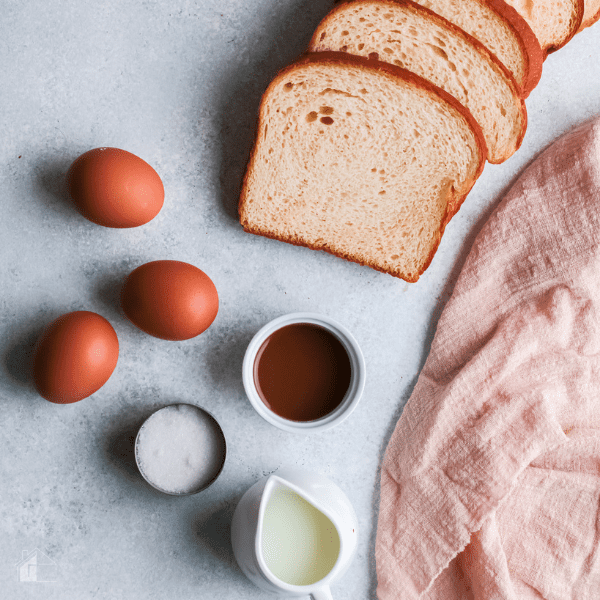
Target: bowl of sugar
180,449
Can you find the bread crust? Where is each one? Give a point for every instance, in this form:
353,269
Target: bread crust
585,23
458,31
580,8
454,202
529,42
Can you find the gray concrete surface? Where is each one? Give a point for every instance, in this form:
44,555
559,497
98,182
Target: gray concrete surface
178,83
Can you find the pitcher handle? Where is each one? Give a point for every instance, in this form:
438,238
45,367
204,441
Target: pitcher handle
323,593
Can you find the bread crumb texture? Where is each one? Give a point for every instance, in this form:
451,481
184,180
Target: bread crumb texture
359,162
554,22
411,37
494,31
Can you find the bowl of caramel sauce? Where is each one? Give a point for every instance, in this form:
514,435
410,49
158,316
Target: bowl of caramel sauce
304,372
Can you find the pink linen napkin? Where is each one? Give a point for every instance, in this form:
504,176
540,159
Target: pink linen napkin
490,486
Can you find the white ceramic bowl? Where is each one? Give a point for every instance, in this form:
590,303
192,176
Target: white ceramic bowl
357,377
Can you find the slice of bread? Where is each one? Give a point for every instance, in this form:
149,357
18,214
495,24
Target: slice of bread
554,22
406,34
591,14
362,159
502,30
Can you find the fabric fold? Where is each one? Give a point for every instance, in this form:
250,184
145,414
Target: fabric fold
512,383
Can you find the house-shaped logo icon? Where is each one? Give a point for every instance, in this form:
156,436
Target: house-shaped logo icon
36,566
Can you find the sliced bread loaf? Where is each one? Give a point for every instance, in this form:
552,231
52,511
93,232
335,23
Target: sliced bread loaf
591,14
406,34
502,30
362,159
554,22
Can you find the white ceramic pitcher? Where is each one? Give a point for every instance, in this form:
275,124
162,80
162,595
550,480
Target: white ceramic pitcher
248,527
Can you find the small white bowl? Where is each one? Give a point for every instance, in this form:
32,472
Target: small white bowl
357,377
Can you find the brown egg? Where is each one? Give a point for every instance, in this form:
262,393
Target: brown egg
170,300
115,188
74,357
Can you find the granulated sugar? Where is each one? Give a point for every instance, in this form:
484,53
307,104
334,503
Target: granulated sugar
180,449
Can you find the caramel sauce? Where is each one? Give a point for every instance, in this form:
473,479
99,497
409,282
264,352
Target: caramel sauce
302,372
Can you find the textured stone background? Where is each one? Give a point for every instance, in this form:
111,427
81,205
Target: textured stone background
178,83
